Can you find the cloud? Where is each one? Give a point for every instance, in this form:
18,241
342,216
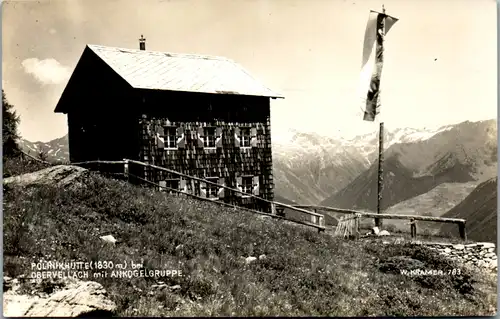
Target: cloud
48,71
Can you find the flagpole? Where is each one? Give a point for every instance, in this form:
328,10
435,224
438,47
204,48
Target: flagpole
380,185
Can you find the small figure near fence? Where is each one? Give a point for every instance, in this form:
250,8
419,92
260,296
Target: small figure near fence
413,228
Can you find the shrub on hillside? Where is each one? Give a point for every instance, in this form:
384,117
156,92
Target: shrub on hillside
20,164
10,135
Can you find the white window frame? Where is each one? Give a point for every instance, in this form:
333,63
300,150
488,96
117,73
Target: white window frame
212,188
245,137
209,138
247,189
169,138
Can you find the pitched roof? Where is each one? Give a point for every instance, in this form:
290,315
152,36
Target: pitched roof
144,69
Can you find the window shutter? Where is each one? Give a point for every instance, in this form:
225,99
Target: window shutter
200,137
221,189
162,185
183,185
239,181
181,138
159,130
203,189
253,137
237,137
218,137
160,142
255,184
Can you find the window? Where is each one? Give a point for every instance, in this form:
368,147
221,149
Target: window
247,184
212,190
245,137
209,136
170,137
169,184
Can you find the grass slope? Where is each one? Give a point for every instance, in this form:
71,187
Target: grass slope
480,211
305,273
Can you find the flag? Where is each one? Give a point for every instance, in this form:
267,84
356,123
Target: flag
377,27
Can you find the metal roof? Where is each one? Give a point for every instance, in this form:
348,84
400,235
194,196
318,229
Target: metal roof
145,69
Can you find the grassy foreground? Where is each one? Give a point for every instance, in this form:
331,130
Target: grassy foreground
304,273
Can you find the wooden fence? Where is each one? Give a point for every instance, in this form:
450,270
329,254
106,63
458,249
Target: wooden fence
412,218
317,220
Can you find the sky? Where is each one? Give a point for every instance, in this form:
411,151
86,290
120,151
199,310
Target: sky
440,58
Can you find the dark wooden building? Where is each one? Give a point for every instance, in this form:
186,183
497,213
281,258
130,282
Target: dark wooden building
203,116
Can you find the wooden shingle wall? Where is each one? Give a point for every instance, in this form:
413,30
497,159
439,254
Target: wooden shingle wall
226,161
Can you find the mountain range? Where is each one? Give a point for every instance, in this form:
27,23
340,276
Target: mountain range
313,169
53,151
480,211
461,153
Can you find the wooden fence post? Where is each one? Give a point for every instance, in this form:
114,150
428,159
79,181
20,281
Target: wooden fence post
461,229
314,218
321,222
273,209
125,169
356,226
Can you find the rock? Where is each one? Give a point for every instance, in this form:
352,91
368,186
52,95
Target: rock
250,259
159,286
375,230
486,245
75,299
175,287
493,263
385,242
261,257
108,239
458,247
60,175
384,233
447,250
489,255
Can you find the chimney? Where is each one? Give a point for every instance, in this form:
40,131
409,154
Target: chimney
142,43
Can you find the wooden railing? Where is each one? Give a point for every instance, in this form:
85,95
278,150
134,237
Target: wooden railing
317,220
412,218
